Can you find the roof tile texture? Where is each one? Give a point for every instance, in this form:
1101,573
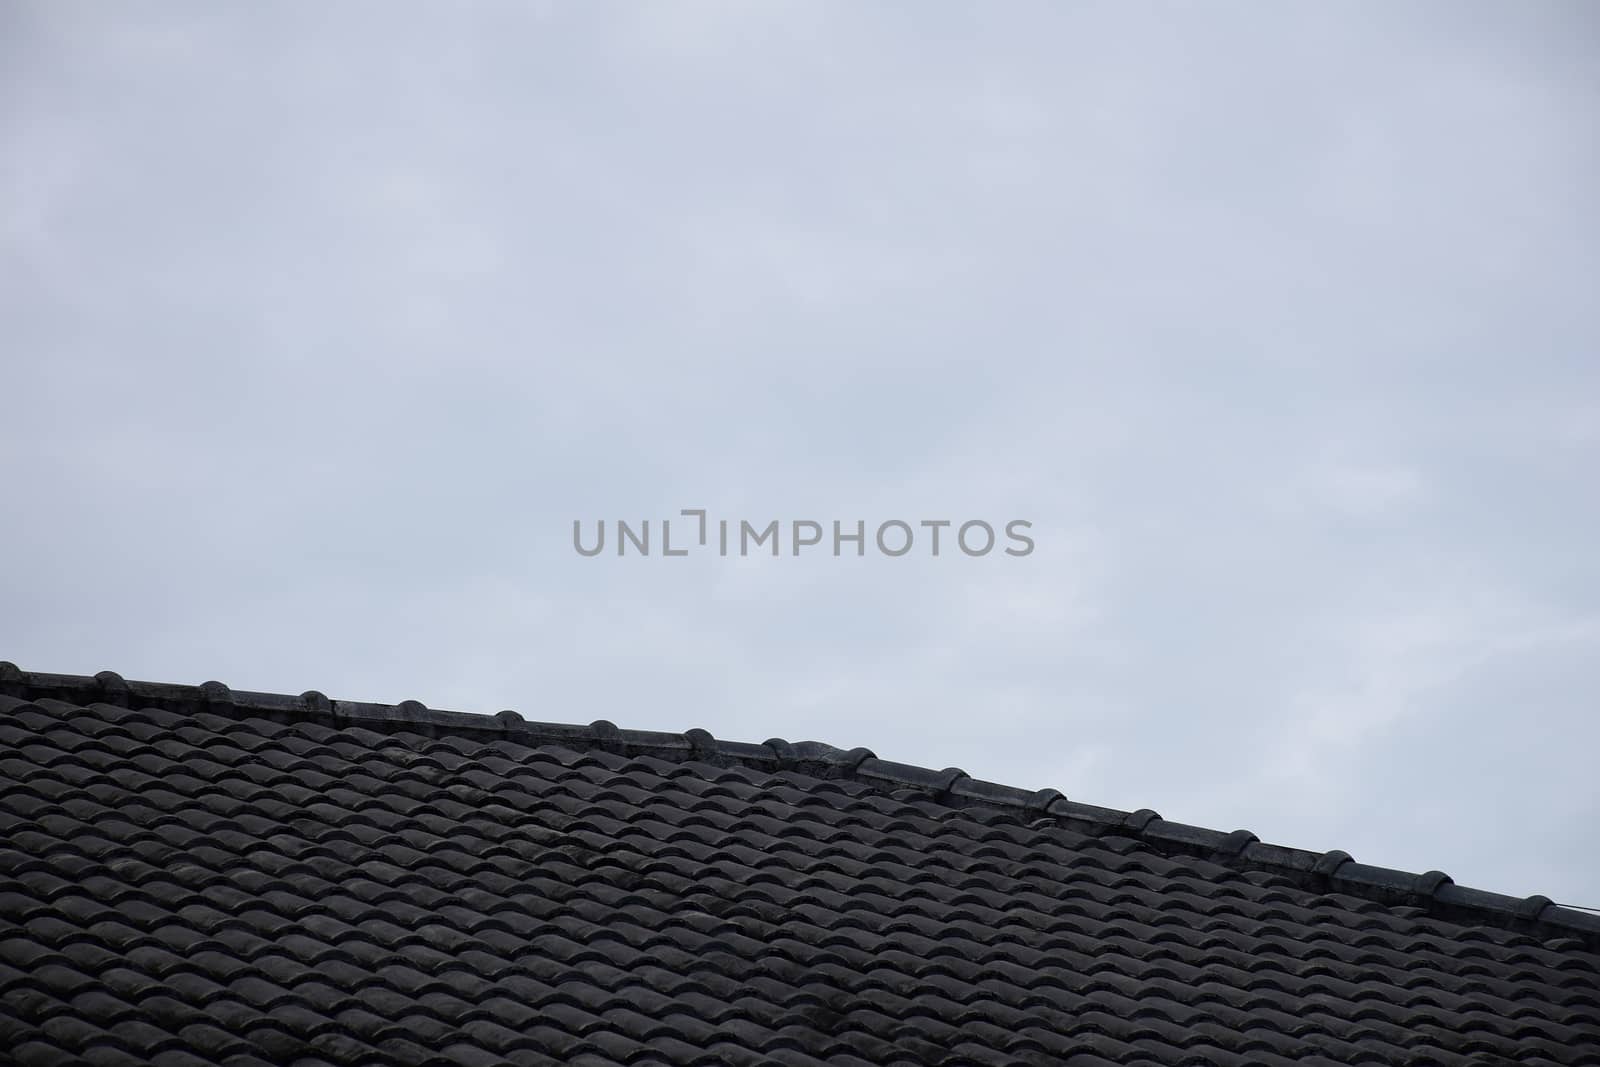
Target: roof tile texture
201,887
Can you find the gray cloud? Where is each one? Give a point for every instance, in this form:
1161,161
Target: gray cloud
321,326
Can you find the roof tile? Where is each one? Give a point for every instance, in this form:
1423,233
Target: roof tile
211,875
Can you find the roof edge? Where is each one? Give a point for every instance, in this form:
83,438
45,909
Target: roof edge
1335,871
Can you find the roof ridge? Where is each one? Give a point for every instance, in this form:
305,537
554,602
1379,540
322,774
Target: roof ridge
1333,871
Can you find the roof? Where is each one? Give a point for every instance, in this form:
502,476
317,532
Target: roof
194,875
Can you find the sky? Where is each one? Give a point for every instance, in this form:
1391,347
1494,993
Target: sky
320,325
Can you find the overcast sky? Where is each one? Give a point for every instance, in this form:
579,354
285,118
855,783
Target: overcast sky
322,323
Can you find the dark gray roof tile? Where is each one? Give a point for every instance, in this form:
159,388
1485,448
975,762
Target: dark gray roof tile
241,877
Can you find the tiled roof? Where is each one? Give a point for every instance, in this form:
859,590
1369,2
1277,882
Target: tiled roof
193,875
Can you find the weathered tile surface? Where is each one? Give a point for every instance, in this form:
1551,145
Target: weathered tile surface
193,876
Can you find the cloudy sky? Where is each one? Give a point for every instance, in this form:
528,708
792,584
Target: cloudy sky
320,324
